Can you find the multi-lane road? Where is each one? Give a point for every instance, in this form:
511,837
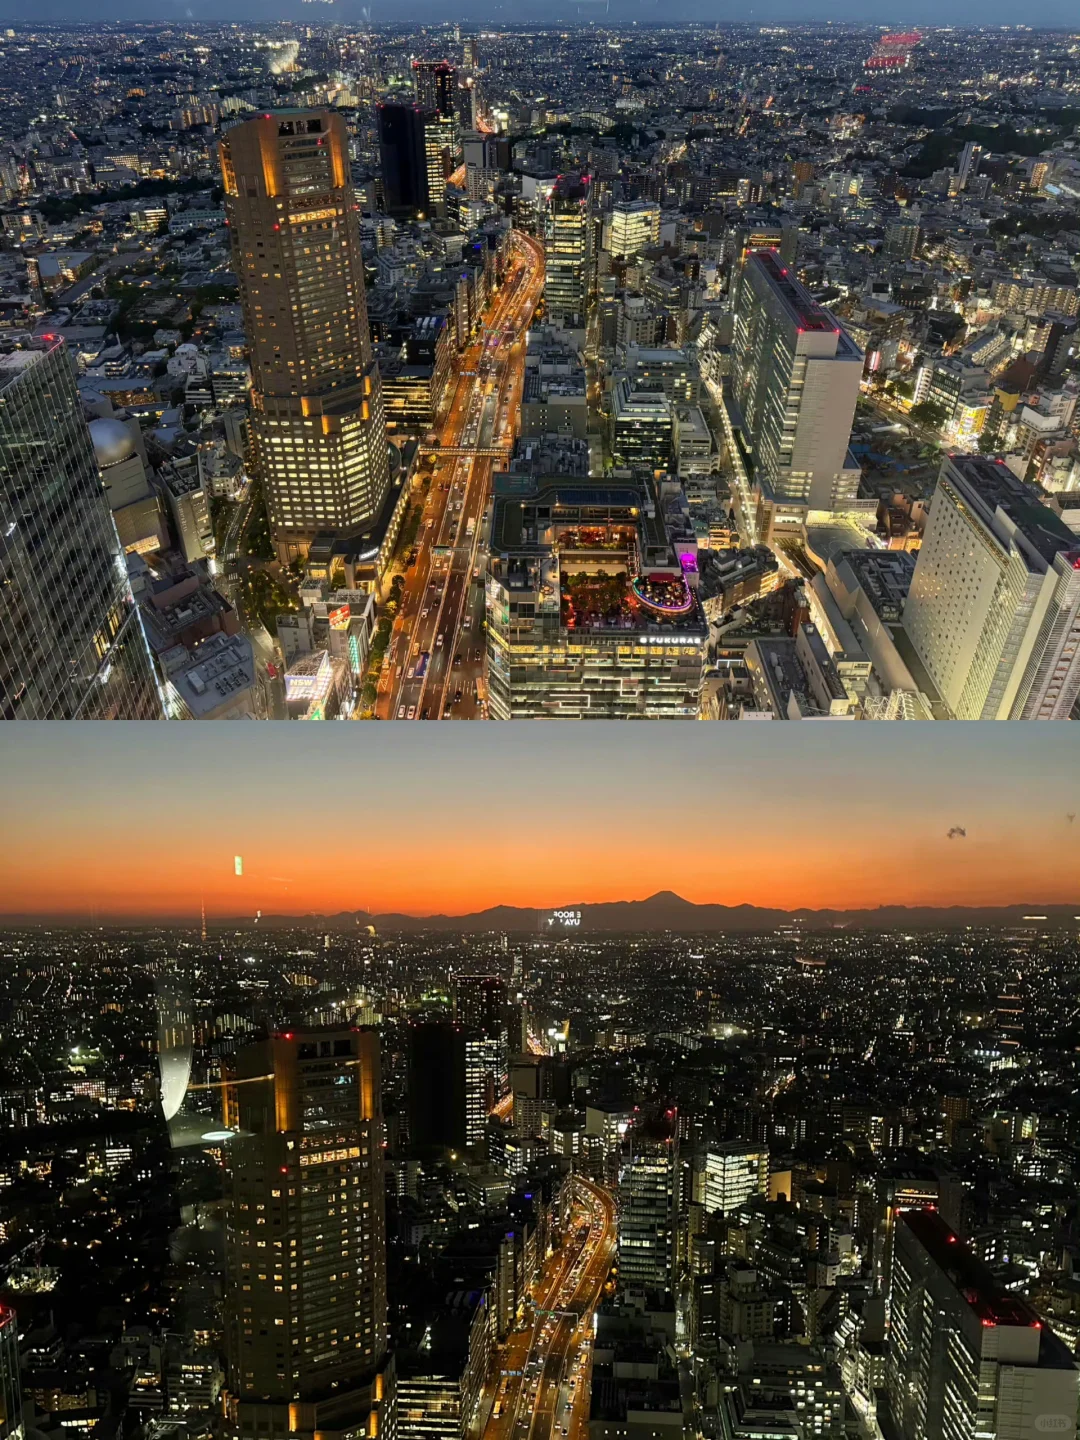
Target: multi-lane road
434,666
547,1365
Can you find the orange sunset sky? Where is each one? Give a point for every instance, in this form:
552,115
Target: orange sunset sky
128,821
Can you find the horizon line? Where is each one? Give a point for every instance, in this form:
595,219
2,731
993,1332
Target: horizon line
81,919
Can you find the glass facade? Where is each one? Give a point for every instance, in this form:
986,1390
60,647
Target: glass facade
71,642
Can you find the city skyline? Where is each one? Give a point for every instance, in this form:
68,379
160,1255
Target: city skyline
973,819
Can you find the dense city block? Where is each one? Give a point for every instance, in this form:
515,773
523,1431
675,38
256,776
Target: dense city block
615,371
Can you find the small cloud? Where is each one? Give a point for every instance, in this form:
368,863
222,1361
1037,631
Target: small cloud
956,832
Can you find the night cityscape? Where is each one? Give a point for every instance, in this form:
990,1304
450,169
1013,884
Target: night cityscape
491,369
722,1131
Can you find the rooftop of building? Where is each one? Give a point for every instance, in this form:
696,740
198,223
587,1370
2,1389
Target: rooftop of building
222,667
975,1281
801,305
996,487
884,575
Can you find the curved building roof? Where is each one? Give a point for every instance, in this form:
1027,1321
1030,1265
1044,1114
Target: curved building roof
112,441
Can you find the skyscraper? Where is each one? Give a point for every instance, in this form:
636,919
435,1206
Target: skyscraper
647,1202
994,606
317,412
566,240
795,379
403,159
480,1004
436,87
440,141
965,1357
436,1086
480,1009
71,641
305,1239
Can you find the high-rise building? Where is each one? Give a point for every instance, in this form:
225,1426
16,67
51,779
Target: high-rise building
485,1074
634,225
440,140
967,167
317,413
646,1203
795,379
732,1174
993,611
643,427
567,244
480,1009
403,159
435,82
436,1062
71,639
306,1331
11,1417
480,1004
965,1357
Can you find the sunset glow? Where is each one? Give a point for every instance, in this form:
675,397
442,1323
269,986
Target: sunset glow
130,821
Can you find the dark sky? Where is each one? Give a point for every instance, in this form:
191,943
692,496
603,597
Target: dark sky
893,12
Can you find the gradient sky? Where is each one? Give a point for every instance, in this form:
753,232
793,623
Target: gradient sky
126,820
538,12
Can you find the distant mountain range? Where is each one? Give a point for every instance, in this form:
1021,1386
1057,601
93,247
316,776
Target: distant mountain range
660,913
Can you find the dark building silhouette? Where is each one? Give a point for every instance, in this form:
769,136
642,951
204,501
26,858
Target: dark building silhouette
403,159
436,1086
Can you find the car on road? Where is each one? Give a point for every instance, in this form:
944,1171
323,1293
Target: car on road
457,695
412,712
439,641
467,623
401,712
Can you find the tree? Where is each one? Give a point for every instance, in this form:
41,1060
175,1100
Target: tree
930,414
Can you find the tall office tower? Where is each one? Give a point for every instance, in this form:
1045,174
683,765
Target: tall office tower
71,641
966,1358
468,103
471,52
566,239
317,413
795,378
646,1203
440,141
435,82
436,1078
994,605
634,226
967,167
480,1003
485,1077
305,1241
732,1174
403,159
480,1010
11,1419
